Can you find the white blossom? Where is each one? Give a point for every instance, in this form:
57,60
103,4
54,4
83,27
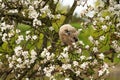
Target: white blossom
89,58
26,78
36,3
81,42
18,66
95,49
113,67
65,55
104,69
2,5
58,16
0,0
102,38
19,60
1,55
14,57
48,70
78,2
39,68
118,56
26,61
52,55
101,3
25,2
11,34
82,57
25,54
104,27
48,74
51,28
18,50
75,63
66,66
74,44
9,26
116,46
34,37
117,6
18,31
32,13
101,56
77,73
67,79
33,59
33,53
66,49
117,25
95,62
91,39
91,77
42,3
100,72
96,42
46,8
18,75
47,53
94,22
87,46
13,11
23,13
27,32
43,54
117,34
20,38
3,26
55,1
9,58
50,15
102,19
27,37
90,14
4,39
37,22
105,66
84,65
10,65
79,51
107,17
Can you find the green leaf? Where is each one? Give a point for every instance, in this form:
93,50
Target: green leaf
6,49
105,13
5,46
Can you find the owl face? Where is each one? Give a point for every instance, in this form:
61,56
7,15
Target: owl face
68,34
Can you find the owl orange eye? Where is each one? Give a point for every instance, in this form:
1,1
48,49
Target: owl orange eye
75,39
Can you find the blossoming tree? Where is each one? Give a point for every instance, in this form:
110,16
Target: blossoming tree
33,50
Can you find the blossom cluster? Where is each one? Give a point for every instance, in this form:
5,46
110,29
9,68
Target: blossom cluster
21,59
105,29
33,49
46,55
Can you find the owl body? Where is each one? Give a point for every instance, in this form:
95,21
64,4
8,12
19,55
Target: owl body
68,34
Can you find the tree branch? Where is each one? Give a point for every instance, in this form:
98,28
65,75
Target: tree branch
70,13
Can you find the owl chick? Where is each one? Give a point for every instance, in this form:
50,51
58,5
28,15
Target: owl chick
68,34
